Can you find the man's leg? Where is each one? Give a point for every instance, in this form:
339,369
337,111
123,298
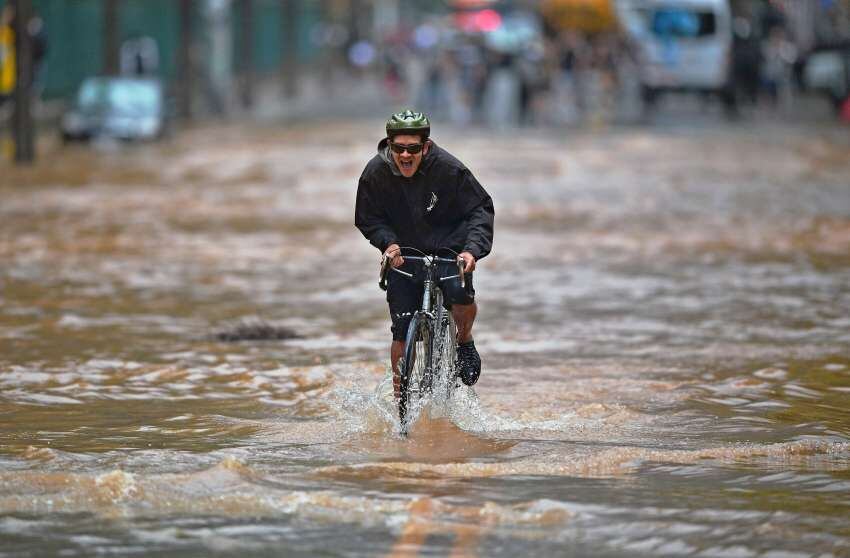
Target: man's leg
464,315
464,309
403,298
396,353
469,363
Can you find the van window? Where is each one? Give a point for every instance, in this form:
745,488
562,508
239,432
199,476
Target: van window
123,96
673,22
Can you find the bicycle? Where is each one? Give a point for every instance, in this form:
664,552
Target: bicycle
430,348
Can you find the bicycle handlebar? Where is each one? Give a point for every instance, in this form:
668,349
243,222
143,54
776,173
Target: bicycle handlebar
386,267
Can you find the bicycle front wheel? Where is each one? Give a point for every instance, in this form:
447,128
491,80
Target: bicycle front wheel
444,359
414,369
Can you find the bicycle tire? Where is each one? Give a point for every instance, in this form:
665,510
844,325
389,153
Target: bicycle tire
415,368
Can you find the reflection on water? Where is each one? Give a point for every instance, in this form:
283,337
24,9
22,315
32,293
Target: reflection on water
664,327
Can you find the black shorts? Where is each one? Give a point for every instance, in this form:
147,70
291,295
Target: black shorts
404,295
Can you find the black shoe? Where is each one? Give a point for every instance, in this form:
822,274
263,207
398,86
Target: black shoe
468,363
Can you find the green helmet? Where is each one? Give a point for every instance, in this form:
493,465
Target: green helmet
408,122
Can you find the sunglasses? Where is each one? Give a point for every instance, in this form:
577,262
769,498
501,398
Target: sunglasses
412,148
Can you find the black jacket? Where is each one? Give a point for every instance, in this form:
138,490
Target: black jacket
442,205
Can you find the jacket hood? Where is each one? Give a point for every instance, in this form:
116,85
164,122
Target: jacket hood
384,154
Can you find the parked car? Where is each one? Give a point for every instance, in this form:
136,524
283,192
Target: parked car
826,70
127,108
683,45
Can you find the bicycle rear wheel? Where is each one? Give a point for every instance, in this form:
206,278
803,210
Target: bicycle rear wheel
415,368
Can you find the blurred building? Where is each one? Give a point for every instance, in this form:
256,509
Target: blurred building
440,54
77,37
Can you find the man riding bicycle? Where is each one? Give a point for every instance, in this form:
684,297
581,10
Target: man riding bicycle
416,194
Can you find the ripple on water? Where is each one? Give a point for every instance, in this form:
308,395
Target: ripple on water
802,395
233,489
116,380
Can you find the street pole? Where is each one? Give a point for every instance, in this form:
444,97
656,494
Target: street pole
111,37
22,120
184,69
247,53
328,49
354,29
289,65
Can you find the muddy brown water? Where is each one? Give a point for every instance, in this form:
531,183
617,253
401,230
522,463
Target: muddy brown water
664,325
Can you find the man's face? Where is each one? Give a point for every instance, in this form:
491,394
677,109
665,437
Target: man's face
408,162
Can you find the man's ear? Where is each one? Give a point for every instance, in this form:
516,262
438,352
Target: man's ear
427,147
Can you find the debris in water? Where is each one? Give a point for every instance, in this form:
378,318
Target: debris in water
254,329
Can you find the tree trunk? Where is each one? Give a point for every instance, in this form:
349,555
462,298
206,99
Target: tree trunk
111,40
246,48
185,70
23,124
289,65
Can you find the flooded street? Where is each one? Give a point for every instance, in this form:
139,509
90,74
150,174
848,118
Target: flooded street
664,326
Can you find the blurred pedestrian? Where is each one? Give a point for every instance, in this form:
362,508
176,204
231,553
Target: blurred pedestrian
502,97
456,97
472,63
569,86
602,80
139,56
393,78
531,69
37,31
433,96
845,110
746,62
779,55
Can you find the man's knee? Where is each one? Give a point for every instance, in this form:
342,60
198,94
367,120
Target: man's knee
464,310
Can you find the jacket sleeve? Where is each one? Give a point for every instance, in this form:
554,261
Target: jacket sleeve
370,218
479,215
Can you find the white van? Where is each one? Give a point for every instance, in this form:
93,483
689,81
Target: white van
682,45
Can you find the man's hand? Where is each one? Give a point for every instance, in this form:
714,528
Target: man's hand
468,260
393,252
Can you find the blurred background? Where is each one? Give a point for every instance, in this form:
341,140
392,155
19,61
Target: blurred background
498,64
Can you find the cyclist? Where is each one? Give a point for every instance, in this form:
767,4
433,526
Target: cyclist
414,193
